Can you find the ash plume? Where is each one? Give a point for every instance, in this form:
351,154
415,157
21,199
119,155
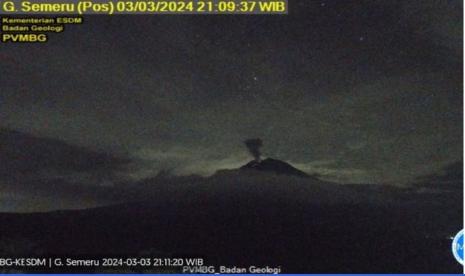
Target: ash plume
254,145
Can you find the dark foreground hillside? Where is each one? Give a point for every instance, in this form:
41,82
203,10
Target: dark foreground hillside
246,224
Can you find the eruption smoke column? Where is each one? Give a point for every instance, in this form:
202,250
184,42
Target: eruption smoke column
254,145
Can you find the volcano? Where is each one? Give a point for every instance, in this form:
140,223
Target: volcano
274,166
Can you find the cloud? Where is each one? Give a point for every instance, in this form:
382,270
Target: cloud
24,156
184,161
330,171
450,177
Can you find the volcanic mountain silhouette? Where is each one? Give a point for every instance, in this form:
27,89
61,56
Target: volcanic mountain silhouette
274,166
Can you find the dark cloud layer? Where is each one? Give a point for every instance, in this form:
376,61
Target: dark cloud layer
22,155
358,91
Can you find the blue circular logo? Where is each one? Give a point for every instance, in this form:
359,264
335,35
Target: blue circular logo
457,247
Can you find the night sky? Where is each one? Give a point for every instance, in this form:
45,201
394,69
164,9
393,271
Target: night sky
357,91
